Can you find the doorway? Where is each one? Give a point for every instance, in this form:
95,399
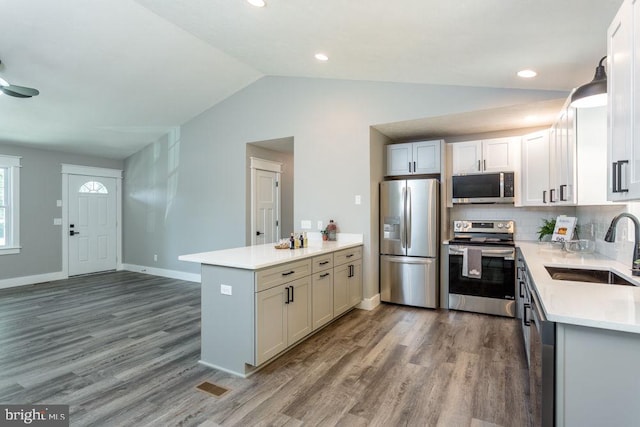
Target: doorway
91,212
275,151
265,201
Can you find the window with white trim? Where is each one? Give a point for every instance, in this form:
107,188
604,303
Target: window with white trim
9,205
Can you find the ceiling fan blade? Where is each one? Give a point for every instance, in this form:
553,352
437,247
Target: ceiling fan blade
25,91
7,91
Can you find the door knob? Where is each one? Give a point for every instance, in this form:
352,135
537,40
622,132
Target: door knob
258,233
73,233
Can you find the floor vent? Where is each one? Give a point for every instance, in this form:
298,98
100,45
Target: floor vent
212,389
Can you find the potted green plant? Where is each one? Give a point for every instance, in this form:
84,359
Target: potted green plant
546,229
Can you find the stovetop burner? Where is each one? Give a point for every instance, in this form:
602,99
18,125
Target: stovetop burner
494,232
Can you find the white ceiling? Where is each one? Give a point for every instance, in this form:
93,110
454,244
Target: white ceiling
115,75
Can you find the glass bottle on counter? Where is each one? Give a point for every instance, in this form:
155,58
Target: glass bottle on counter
292,244
306,241
302,245
296,242
332,230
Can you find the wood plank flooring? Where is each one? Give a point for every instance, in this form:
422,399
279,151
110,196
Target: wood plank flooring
122,350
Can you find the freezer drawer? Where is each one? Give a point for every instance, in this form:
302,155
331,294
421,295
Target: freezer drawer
409,281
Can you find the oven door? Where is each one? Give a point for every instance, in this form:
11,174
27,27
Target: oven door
498,273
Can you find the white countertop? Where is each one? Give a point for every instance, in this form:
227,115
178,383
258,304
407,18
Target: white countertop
604,306
261,256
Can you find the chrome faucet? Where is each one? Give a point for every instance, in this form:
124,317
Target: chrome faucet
611,237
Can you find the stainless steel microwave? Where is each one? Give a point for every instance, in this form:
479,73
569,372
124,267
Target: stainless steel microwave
494,187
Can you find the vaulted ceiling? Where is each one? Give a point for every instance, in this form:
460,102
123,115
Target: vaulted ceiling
115,75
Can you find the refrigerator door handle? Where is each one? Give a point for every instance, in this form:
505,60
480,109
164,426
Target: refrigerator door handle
403,241
409,218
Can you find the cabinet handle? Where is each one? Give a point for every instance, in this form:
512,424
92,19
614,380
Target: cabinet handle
551,195
292,293
484,165
409,167
620,164
562,193
521,290
289,273
614,179
526,320
479,166
414,167
287,301
324,263
322,276
349,256
544,196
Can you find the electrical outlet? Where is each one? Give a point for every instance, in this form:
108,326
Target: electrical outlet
319,225
59,203
225,289
305,224
358,199
57,221
155,257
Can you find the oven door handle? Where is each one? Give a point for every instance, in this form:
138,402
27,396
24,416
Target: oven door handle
492,252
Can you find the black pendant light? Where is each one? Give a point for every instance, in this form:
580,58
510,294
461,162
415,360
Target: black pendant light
594,93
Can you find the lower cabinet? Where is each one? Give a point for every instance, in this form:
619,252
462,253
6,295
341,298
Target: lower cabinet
322,284
347,286
283,316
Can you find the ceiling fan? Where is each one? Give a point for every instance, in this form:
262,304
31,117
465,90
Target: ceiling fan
17,91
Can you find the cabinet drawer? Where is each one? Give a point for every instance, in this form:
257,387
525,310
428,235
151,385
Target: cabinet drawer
322,262
274,276
347,255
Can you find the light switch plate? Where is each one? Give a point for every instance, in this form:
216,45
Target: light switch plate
305,224
319,225
57,221
225,289
358,199
59,203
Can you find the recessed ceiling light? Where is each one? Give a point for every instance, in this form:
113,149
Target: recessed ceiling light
527,74
321,57
257,3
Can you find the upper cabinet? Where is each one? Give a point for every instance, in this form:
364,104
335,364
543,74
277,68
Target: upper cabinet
623,57
563,165
535,169
491,155
413,158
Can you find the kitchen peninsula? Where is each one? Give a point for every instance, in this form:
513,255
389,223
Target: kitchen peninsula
258,301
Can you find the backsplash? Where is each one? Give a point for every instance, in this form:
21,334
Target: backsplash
529,219
600,217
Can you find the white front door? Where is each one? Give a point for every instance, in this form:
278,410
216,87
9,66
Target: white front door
92,224
266,216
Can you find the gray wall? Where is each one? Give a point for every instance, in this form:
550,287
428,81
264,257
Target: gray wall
40,187
286,187
329,120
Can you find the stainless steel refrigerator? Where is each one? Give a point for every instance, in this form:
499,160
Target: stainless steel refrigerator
409,242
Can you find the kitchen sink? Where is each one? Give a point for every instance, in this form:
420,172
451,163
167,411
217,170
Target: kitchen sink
585,275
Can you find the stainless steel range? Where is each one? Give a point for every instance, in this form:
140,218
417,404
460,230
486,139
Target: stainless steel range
482,267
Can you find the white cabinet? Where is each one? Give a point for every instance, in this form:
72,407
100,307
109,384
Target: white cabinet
322,297
564,165
413,158
347,280
535,169
491,155
283,316
623,56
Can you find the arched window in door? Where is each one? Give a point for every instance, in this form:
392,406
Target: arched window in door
94,187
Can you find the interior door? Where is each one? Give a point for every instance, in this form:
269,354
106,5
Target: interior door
92,224
266,203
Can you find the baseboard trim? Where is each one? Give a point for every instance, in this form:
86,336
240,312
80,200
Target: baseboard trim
31,280
171,274
369,303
